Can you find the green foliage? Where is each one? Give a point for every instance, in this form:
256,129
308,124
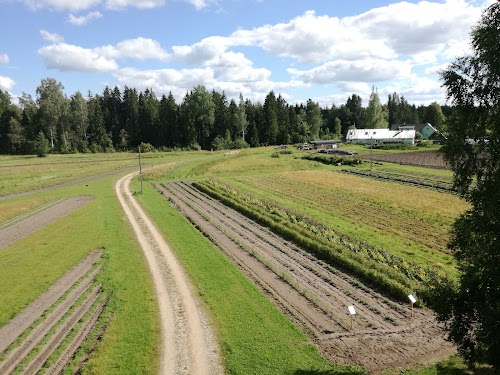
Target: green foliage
41,145
146,147
473,150
376,115
332,160
393,146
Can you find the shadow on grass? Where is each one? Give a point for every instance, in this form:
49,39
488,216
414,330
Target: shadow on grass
339,371
446,369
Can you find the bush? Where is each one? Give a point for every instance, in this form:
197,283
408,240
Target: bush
146,147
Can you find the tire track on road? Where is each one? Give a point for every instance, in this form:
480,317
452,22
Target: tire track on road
188,341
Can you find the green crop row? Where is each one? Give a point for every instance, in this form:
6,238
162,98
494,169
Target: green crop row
373,265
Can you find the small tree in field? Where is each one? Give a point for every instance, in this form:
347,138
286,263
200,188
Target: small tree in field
41,145
471,309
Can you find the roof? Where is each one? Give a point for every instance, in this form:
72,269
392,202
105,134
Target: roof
417,127
379,134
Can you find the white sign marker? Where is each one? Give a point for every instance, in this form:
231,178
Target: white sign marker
412,299
352,311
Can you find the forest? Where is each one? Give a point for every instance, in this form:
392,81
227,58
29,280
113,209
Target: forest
120,120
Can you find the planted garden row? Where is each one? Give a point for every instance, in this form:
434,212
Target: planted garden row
374,265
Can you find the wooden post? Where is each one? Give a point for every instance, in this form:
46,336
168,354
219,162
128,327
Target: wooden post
351,322
140,166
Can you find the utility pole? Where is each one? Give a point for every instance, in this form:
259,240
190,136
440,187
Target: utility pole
140,165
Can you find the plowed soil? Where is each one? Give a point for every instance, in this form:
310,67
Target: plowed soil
39,219
316,295
50,317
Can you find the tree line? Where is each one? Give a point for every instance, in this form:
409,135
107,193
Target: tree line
121,120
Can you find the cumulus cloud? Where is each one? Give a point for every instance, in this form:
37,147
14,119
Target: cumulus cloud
62,5
138,48
4,58
373,70
141,4
6,83
83,20
51,37
67,57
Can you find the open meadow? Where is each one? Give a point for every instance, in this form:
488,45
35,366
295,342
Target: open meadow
377,240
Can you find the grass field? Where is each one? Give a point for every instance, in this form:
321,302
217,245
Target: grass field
408,221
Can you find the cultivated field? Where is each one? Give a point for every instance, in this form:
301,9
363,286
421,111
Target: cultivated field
277,301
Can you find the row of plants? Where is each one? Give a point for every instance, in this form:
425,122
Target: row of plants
373,265
442,186
332,160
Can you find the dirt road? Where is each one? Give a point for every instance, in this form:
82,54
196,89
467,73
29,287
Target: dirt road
188,342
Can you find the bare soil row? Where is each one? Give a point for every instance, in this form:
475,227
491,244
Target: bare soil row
30,223
314,294
430,159
72,306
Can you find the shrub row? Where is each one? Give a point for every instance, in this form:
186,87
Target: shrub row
332,160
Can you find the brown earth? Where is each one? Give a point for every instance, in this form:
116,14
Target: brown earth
432,159
316,295
17,229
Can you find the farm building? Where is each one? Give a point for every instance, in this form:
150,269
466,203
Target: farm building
425,129
379,136
323,145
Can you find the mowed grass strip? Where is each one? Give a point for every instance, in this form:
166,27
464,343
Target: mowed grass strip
28,267
255,336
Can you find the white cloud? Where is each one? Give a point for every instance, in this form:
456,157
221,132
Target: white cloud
4,58
373,70
62,5
6,83
141,4
83,20
138,48
51,37
200,4
67,57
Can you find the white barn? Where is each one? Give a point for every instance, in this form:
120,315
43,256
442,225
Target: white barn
378,136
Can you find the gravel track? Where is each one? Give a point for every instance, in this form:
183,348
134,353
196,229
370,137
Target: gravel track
12,330
188,342
35,222
315,294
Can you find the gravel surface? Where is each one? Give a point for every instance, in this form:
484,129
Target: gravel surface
189,345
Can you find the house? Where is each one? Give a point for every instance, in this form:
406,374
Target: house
379,136
425,129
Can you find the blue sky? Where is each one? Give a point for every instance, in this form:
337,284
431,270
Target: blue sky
323,50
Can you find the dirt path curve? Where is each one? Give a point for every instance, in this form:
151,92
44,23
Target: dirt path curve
188,342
